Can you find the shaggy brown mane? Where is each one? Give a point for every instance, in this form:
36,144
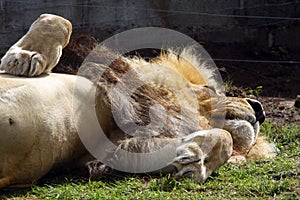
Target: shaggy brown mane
181,120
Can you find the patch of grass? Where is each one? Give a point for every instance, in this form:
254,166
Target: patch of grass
286,138
228,84
255,92
264,179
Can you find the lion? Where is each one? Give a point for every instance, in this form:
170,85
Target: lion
141,106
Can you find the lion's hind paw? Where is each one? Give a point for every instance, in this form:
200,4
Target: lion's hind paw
22,63
98,170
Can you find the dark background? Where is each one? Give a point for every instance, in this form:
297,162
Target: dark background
253,42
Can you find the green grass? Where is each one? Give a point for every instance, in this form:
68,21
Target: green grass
255,92
265,179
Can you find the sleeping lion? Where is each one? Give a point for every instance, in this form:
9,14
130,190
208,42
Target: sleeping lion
46,119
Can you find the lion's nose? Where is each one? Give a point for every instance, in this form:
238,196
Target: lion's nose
258,109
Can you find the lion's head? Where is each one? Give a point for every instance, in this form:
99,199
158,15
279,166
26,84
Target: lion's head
176,104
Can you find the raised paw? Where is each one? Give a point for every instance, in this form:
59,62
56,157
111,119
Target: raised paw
98,170
40,49
22,63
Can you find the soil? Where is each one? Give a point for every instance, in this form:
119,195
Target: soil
279,110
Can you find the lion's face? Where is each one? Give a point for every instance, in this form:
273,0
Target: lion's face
243,119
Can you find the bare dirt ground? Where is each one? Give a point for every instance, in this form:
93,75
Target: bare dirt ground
280,110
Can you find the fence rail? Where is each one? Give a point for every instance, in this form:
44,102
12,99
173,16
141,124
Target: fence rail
218,21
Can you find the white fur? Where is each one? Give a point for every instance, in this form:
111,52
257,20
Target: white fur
243,134
38,130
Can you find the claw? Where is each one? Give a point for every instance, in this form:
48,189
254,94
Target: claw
97,170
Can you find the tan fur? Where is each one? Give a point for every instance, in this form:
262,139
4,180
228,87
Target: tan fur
41,117
198,163
160,80
39,50
187,69
262,149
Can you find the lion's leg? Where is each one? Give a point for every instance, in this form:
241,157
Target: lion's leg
198,154
39,50
203,152
131,155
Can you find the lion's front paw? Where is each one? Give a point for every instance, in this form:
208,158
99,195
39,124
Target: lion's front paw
39,50
201,153
189,162
22,63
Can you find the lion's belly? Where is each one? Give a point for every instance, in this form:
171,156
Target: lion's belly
37,126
